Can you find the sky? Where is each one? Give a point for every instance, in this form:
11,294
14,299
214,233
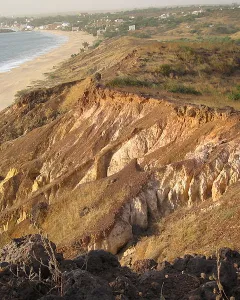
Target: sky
19,7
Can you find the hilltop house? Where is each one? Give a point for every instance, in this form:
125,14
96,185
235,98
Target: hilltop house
54,26
164,16
132,28
101,32
119,21
197,12
65,24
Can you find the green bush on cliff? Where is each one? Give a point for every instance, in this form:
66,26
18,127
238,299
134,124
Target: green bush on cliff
235,94
128,81
183,89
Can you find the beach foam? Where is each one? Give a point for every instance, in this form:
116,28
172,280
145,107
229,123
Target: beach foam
43,43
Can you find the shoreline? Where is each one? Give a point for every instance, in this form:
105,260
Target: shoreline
25,74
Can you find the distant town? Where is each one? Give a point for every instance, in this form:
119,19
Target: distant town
142,23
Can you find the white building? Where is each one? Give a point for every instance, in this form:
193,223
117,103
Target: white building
119,20
197,12
164,16
132,28
101,32
65,24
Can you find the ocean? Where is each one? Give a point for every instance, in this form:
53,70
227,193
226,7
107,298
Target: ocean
19,47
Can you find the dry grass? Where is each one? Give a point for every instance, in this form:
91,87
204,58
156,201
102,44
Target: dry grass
93,207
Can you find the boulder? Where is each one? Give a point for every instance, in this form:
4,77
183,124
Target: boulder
123,287
142,266
228,276
31,251
229,255
98,261
82,285
204,292
198,265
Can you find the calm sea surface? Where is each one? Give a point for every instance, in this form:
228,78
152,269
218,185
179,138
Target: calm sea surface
19,47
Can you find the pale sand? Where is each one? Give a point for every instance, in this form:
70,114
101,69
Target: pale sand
22,77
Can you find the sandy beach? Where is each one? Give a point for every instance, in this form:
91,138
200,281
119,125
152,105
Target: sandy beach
22,76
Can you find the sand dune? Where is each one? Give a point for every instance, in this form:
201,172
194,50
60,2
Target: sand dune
21,77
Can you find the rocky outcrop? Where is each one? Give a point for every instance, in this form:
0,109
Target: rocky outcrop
98,275
33,251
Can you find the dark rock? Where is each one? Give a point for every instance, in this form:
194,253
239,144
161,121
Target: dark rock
122,286
229,255
31,251
142,266
80,262
51,297
236,292
151,283
165,265
100,260
14,286
68,265
204,292
81,285
228,276
3,265
198,265
180,264
99,275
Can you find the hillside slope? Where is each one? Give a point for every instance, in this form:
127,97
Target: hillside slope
95,167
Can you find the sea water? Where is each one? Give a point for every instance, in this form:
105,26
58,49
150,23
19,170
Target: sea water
17,48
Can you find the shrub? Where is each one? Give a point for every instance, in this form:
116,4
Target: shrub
97,43
128,81
222,29
235,94
183,89
21,93
85,45
165,70
224,67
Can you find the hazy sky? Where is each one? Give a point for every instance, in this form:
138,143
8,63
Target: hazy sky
13,7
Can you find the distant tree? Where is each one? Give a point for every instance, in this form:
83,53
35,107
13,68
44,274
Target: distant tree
98,76
85,45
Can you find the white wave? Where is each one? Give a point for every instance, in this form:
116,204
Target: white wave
7,66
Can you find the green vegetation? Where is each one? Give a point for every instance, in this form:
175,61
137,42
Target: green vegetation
235,94
97,43
224,29
165,70
21,93
202,71
128,81
183,89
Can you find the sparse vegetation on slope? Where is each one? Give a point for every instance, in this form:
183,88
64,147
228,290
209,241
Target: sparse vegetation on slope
114,146
207,70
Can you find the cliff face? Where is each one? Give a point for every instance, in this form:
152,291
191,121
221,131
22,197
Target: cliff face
111,165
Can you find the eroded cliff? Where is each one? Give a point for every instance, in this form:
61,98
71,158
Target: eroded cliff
97,174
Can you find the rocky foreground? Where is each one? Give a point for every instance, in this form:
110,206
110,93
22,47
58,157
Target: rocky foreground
30,268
